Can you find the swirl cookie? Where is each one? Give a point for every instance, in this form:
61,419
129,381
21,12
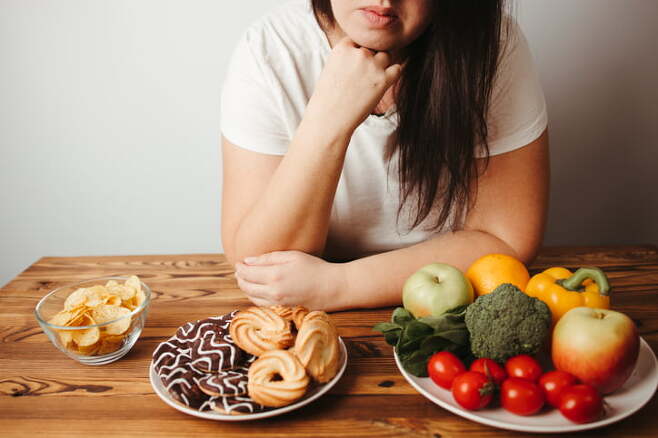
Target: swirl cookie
259,329
277,378
214,351
294,314
225,383
317,346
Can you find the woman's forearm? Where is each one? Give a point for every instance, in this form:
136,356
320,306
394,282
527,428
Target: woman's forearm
377,281
293,212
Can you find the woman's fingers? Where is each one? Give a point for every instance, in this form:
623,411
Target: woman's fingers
271,258
393,73
382,59
259,274
260,302
253,290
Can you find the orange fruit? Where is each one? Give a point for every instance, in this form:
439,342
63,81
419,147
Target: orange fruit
490,271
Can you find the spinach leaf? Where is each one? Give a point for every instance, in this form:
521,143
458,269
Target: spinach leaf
386,326
416,363
434,343
401,316
457,336
416,340
412,335
390,331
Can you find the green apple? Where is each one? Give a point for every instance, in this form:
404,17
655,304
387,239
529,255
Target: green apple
435,289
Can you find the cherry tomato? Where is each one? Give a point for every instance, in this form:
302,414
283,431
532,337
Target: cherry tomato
521,397
581,403
524,367
472,390
489,368
553,383
443,367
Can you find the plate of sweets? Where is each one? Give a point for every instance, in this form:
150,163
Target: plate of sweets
251,364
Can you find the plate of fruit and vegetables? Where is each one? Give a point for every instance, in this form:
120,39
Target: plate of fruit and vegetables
489,362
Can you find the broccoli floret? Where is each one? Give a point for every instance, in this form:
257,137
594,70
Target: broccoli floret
507,322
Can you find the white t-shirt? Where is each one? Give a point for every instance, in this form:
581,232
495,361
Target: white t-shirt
270,80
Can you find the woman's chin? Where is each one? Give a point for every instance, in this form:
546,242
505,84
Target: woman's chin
378,44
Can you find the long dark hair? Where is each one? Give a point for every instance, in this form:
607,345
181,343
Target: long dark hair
442,101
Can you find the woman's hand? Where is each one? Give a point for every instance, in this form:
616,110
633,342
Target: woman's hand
291,278
352,82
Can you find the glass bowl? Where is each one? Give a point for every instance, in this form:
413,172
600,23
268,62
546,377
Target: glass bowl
75,332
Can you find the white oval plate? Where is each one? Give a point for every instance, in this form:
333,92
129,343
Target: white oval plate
315,393
635,393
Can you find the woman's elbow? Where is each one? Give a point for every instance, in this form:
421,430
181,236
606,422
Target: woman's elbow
526,249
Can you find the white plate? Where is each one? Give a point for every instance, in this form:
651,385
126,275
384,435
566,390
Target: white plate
212,415
635,393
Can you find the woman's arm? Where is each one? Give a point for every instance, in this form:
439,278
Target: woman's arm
272,203
508,217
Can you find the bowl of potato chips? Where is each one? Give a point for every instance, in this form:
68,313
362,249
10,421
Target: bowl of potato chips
95,321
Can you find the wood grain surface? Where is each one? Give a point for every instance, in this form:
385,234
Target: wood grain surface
42,392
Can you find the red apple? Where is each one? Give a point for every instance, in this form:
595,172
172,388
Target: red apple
598,346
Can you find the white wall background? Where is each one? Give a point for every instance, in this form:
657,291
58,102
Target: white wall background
109,111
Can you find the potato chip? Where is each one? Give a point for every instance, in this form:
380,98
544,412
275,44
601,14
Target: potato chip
86,337
91,296
62,318
133,281
66,338
111,283
106,313
75,299
127,293
140,298
78,316
95,295
89,350
112,300
107,346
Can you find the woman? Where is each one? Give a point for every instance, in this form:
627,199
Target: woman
383,134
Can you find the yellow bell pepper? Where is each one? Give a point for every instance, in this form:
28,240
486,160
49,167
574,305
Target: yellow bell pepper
562,291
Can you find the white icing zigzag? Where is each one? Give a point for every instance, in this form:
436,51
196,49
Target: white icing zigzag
215,352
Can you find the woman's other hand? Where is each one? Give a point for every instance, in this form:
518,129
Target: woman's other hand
353,81
291,278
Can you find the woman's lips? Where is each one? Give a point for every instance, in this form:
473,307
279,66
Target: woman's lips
379,17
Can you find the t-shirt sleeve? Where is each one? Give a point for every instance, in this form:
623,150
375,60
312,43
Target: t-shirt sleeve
249,109
517,112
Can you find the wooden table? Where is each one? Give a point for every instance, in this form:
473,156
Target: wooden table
44,392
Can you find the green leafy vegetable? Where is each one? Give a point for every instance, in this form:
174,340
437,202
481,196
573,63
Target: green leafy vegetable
415,340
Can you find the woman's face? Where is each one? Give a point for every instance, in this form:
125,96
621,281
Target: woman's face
382,25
